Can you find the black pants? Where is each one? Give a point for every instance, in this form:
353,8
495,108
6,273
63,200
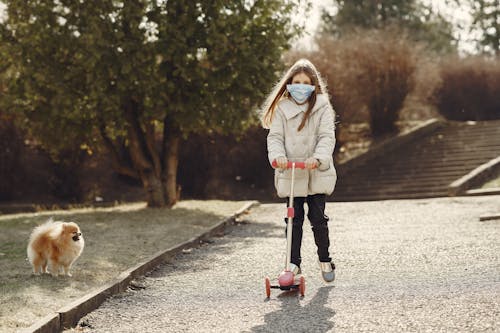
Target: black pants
319,223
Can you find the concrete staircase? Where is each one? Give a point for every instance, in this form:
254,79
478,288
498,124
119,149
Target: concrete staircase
424,167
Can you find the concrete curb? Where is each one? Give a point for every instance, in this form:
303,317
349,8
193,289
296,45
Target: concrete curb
390,144
69,315
489,217
475,177
483,191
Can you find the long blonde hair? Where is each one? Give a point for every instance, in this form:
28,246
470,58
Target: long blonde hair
279,91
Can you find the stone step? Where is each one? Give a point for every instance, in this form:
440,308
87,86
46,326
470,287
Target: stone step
403,182
398,174
373,197
393,188
424,168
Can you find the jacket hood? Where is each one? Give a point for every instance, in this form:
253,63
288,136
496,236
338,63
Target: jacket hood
291,109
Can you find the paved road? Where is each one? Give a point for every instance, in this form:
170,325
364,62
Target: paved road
403,266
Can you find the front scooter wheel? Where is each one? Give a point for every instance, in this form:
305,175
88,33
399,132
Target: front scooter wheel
302,286
268,287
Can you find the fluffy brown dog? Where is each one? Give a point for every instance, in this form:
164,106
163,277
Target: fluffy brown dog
56,245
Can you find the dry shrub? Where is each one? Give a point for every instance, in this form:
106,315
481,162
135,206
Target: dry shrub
470,90
370,74
11,151
65,183
226,166
420,103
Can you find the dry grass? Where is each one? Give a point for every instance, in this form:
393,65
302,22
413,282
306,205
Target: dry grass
115,239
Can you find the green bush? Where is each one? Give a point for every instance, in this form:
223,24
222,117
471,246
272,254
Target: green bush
470,89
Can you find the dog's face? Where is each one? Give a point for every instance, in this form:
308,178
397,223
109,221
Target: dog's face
71,230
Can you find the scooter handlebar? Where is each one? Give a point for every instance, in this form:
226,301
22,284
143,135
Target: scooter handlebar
298,165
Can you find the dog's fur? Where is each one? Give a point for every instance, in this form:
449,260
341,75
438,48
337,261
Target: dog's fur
55,245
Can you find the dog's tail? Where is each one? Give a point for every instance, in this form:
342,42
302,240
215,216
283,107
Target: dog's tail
49,226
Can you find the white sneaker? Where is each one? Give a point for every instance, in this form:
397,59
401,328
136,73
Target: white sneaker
327,271
295,269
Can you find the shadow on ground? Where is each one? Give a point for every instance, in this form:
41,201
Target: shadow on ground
314,316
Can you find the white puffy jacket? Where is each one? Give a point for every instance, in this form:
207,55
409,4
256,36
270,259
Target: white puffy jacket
316,139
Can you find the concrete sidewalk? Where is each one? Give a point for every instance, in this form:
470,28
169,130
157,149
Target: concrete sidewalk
69,315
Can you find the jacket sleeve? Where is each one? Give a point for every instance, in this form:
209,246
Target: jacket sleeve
325,145
276,137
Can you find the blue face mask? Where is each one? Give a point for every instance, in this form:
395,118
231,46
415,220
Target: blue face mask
300,92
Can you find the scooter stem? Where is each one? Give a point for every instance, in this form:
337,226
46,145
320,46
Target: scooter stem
289,224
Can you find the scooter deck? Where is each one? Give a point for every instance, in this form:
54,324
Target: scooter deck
295,285
299,284
291,287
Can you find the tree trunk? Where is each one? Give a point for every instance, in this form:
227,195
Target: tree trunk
169,177
154,190
158,173
170,149
143,158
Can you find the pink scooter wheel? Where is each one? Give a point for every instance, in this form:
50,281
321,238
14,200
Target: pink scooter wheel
268,287
302,286
285,279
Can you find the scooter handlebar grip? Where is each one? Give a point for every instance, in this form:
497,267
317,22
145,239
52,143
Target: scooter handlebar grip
298,165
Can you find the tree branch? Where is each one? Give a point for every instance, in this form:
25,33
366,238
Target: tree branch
137,146
118,164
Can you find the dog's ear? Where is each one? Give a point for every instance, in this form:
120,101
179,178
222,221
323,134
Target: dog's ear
70,227
67,227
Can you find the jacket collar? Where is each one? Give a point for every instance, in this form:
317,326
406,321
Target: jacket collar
291,109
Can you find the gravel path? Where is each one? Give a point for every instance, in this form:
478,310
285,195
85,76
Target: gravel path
402,266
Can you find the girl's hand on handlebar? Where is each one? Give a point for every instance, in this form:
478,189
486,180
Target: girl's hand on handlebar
282,162
311,163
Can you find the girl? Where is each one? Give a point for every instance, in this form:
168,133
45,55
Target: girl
301,126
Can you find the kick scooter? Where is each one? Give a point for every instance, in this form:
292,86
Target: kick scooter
286,279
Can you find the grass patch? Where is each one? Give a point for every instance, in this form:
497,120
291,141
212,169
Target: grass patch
493,183
115,239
